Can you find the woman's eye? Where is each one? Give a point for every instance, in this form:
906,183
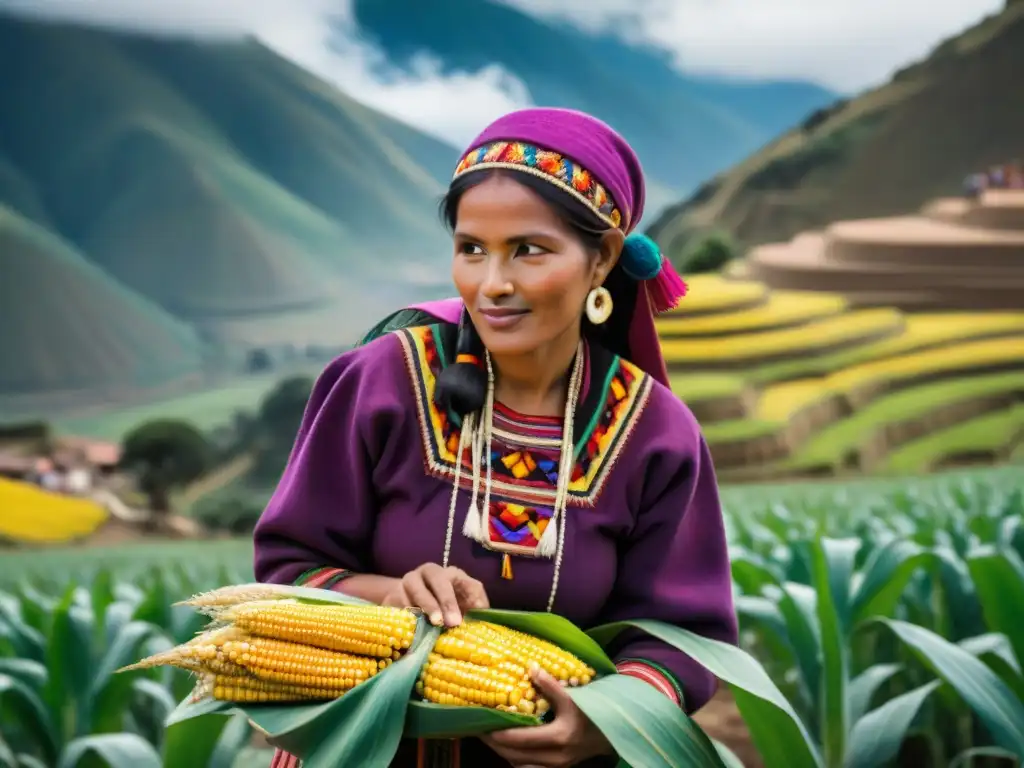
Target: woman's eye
530,250
471,249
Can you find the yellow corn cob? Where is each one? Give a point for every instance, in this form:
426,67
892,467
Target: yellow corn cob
252,690
477,684
560,664
293,664
364,630
202,650
482,642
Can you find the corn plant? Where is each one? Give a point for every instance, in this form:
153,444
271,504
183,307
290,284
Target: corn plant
62,703
905,628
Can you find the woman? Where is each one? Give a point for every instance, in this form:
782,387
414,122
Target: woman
582,486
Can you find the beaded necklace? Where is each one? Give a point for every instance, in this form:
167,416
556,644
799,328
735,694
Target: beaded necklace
479,426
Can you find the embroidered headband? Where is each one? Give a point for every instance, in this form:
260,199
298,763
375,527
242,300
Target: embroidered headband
550,166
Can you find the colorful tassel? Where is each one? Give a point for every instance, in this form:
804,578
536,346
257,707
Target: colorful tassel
506,567
667,289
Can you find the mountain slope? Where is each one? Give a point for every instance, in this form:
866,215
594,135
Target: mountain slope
683,128
69,327
218,182
885,152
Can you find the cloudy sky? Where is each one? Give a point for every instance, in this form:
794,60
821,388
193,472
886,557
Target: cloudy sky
844,44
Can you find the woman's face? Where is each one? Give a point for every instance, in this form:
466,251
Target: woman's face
521,271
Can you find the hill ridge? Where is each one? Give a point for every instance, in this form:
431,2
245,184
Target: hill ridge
889,150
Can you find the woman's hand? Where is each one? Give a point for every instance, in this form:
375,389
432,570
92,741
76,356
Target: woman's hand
443,594
567,740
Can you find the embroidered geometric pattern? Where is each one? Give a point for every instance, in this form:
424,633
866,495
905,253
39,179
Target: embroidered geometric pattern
550,166
524,459
602,440
525,447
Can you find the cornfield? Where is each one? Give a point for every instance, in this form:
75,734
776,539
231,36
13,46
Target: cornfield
894,640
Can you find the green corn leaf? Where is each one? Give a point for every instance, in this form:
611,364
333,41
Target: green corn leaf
116,750
425,719
999,581
27,641
32,673
781,738
832,563
992,701
29,710
966,759
191,743
992,644
643,725
233,739
995,651
876,737
7,757
885,577
762,613
727,756
157,695
863,687
69,665
750,572
111,693
798,605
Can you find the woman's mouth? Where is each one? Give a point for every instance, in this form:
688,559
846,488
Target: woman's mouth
502,318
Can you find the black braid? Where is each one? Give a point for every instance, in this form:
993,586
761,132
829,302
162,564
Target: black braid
462,386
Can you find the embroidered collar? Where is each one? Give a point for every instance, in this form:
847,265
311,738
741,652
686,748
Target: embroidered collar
614,397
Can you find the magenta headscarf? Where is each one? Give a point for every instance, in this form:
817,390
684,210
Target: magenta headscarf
587,159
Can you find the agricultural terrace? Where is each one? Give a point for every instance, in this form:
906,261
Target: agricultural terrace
800,383
914,586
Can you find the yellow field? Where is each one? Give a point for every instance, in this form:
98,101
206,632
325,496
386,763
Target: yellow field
781,308
863,324
787,352
32,515
708,293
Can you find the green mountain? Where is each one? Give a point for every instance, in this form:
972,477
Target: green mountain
684,128
216,189
886,152
69,327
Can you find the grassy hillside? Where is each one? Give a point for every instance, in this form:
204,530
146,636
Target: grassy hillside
683,128
226,191
885,152
67,326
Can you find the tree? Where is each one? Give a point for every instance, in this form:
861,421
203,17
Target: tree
280,416
710,254
165,454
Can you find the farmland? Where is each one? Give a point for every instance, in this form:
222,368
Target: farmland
912,588
801,383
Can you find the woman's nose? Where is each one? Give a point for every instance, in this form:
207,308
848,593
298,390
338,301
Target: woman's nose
496,281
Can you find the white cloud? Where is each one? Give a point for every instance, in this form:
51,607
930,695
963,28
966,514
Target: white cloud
318,35
844,44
